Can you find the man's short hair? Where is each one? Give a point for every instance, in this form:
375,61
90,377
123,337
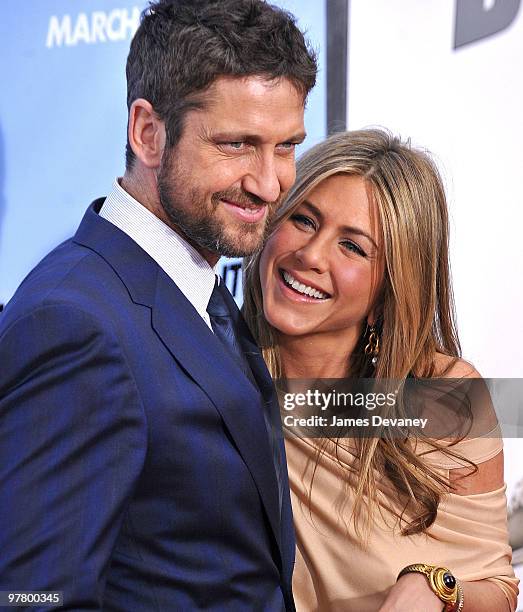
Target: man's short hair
182,46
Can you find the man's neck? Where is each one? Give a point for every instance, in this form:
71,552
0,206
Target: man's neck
142,186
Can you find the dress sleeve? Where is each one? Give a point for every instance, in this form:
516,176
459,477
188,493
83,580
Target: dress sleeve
477,450
477,522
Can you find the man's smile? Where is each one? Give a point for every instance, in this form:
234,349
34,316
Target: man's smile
248,212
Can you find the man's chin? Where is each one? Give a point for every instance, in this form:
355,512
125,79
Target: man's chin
244,244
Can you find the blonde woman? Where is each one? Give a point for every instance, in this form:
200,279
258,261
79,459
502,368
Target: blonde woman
354,282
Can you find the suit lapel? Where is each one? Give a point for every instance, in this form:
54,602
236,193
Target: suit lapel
197,350
202,355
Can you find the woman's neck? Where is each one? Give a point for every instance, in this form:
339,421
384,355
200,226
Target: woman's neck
314,356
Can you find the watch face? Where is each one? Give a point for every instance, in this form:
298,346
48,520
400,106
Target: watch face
448,580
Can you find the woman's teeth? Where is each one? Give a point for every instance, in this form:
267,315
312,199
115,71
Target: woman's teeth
301,288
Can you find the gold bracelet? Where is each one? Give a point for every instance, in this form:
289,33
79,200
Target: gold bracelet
442,583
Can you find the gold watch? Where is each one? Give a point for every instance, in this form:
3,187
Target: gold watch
442,582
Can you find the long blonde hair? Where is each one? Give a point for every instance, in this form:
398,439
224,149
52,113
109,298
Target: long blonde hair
416,302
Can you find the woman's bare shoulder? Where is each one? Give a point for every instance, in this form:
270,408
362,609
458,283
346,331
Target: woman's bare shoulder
446,366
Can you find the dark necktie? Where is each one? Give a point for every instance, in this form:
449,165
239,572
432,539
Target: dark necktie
223,326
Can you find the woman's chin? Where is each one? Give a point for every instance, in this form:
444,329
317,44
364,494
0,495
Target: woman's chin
287,326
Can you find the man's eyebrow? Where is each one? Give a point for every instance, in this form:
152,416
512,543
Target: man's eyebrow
233,136
297,138
349,229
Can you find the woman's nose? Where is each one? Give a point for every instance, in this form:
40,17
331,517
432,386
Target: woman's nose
314,255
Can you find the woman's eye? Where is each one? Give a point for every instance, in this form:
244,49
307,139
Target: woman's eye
303,221
353,247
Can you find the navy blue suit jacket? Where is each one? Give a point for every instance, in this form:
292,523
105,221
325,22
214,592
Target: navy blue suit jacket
135,464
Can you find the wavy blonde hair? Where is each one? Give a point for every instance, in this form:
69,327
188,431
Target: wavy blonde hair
416,302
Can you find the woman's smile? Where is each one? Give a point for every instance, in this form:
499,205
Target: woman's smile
297,288
320,270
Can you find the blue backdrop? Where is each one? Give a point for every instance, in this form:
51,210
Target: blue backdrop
63,116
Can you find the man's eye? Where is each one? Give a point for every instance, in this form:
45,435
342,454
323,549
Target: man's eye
288,146
235,145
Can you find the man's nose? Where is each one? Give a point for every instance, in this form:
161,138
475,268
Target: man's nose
263,180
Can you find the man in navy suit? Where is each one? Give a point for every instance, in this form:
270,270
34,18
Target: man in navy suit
141,457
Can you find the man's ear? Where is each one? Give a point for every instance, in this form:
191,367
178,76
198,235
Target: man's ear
146,132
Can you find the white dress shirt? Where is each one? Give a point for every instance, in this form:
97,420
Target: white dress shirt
180,261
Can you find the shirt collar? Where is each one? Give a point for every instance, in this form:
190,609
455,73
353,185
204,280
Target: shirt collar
180,261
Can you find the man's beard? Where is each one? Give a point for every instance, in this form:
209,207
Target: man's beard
191,214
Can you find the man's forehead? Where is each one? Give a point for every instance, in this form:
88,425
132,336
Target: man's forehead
253,89
253,109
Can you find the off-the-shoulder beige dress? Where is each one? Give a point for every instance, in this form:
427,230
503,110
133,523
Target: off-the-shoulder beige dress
335,572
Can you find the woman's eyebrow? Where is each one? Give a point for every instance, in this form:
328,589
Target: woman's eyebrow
349,229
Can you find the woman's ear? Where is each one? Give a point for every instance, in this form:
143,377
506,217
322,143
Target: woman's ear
375,316
146,132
